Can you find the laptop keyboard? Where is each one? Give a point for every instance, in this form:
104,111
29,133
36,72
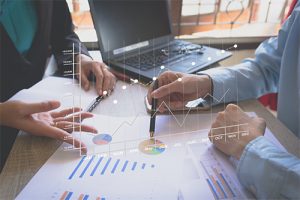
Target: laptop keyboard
159,57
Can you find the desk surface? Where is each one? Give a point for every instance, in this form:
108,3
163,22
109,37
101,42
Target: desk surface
29,153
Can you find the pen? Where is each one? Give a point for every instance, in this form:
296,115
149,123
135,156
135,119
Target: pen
94,104
153,111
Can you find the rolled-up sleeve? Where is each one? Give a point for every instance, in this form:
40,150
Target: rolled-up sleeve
253,77
269,172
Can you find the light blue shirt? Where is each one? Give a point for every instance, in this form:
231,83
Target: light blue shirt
263,168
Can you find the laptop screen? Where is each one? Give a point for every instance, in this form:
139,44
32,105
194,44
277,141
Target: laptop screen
126,22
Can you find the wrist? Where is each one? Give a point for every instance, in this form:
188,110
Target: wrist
210,85
204,85
239,152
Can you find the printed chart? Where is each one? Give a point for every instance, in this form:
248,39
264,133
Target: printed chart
132,176
69,195
97,165
102,139
216,173
221,186
152,147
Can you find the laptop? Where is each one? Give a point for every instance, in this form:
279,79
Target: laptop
135,37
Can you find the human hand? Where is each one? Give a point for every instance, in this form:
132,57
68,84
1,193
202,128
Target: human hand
176,89
105,80
231,122
36,119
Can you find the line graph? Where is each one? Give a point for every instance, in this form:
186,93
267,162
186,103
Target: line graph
180,124
126,144
180,121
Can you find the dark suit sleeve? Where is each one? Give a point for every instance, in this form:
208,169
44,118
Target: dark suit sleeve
62,34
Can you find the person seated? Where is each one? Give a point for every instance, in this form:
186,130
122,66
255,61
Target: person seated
266,170
29,32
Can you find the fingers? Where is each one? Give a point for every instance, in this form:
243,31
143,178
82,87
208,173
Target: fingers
217,127
105,80
228,124
172,105
65,112
75,142
96,68
84,81
41,129
149,98
31,108
235,115
66,137
166,90
74,126
75,117
109,79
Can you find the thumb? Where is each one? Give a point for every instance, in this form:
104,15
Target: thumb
31,108
166,90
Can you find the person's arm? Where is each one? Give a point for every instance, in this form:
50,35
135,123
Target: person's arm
268,171
62,34
264,169
250,79
253,77
63,37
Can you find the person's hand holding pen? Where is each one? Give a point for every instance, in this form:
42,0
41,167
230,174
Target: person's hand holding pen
176,89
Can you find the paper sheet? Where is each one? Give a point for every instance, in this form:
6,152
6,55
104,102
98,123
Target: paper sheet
60,89
186,155
109,177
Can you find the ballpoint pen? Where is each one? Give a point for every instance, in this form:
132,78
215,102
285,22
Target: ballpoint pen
94,104
153,111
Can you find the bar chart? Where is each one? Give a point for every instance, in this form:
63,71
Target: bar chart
68,195
217,182
99,166
217,173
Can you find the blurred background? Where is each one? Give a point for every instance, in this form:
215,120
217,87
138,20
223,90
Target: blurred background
216,23
213,22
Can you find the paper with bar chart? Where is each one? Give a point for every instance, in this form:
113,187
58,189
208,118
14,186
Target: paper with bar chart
137,176
185,166
122,162
213,177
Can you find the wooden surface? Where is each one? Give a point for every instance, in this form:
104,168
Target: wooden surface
29,153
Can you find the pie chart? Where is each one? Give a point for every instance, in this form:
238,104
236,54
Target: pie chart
102,139
152,147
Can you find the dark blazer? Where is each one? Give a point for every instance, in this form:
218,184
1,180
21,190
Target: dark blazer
55,33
